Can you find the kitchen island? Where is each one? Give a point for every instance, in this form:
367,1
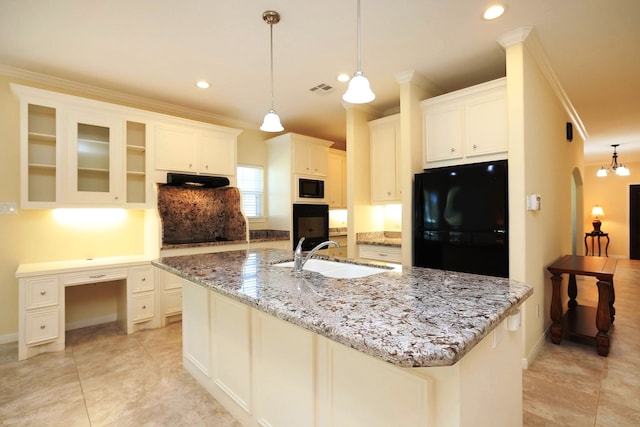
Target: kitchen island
408,346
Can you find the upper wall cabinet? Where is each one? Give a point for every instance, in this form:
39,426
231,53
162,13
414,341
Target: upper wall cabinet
385,158
193,147
76,152
310,158
337,179
466,126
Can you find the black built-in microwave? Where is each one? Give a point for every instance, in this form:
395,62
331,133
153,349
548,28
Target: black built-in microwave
310,188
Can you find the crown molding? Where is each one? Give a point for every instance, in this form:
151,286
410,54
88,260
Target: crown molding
528,37
122,98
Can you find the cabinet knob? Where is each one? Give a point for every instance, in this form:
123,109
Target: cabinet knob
144,307
453,149
43,326
206,167
475,146
190,165
144,279
43,293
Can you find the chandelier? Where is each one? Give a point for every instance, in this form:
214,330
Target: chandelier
618,169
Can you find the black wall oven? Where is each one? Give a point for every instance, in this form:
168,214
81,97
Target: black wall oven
310,221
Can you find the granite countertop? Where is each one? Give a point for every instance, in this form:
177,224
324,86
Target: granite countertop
380,238
408,316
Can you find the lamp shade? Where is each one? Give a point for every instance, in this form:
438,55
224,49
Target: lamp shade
359,90
622,171
597,211
271,122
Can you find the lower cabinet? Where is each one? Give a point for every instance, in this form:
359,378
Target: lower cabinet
380,253
269,372
283,358
170,287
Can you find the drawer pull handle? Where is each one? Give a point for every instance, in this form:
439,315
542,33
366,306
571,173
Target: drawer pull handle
43,326
144,279
43,293
97,276
383,254
144,307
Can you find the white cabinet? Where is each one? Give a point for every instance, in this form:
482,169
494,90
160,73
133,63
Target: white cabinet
77,152
170,287
385,159
341,251
231,348
336,184
310,159
141,286
196,331
94,162
469,125
284,372
380,253
196,148
40,321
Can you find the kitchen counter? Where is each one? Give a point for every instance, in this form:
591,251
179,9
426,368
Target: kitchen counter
408,316
380,238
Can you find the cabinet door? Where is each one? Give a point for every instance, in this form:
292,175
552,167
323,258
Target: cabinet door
486,124
443,126
217,154
231,348
175,148
95,158
40,152
284,367
384,163
310,159
196,332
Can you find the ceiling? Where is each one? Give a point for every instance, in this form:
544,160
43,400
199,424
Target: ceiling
158,49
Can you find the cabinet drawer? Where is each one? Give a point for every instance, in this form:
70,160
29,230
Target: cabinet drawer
42,292
94,276
380,253
143,307
141,279
42,326
172,302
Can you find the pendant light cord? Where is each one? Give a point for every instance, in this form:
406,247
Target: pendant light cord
358,45
271,50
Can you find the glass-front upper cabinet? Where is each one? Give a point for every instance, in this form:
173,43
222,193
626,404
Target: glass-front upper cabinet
95,158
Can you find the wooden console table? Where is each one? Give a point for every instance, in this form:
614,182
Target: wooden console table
598,235
586,324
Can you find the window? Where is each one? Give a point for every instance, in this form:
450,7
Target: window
251,185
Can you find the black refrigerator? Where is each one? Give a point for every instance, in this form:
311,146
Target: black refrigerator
460,219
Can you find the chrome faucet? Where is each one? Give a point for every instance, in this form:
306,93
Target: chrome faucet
299,261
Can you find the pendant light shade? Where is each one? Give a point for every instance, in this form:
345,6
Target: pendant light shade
271,121
359,90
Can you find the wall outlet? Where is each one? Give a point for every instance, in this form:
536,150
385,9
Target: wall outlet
8,208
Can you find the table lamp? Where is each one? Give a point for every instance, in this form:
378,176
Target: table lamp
597,211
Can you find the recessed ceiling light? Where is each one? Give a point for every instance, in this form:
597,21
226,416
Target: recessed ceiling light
493,12
343,77
202,84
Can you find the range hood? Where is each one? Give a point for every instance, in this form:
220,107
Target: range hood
179,179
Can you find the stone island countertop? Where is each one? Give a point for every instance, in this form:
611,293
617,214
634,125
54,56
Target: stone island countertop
408,316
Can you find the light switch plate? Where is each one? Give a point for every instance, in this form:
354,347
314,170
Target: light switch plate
8,208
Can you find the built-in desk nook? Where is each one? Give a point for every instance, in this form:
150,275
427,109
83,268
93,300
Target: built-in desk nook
42,286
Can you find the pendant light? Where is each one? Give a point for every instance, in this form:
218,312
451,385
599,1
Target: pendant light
359,90
271,121
618,169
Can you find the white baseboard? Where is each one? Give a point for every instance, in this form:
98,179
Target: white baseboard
83,323
7,338
535,350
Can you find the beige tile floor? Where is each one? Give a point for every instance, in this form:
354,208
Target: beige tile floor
570,385
105,378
